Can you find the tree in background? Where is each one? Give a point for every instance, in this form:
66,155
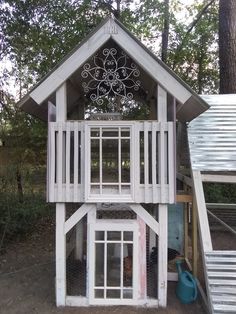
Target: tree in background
36,34
227,46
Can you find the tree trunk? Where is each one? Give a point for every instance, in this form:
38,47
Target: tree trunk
165,32
19,186
227,46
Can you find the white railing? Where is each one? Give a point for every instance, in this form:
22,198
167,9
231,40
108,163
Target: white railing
150,159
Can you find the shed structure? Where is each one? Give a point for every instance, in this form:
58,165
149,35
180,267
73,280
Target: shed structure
211,138
111,108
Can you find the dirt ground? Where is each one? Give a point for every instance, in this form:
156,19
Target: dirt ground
27,275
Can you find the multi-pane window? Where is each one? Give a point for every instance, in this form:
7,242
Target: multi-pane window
113,265
110,160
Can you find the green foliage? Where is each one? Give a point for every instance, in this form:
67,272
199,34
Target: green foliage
220,193
36,34
20,218
23,135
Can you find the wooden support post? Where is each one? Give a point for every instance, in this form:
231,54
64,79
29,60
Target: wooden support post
162,255
61,116
79,240
61,103
186,230
50,151
194,238
60,255
186,208
161,104
204,228
142,294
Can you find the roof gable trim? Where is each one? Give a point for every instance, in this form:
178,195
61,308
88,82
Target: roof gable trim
110,29
67,68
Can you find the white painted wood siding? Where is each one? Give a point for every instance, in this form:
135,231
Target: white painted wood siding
152,158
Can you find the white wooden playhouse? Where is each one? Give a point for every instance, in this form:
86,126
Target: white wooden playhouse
112,177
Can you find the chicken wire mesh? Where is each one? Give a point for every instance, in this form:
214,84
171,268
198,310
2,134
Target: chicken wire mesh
76,253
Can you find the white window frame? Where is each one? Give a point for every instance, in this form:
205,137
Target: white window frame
113,225
89,197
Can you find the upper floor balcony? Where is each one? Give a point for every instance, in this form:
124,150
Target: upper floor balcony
111,161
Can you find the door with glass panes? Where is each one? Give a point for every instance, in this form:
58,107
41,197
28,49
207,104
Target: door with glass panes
109,155
113,256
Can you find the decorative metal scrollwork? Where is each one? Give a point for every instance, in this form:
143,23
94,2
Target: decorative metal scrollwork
110,78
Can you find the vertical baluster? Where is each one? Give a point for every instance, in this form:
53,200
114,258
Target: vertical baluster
162,162
146,163
135,157
170,165
52,155
68,135
60,161
154,161
76,151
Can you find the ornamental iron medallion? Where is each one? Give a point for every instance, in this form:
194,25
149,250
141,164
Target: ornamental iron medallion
110,78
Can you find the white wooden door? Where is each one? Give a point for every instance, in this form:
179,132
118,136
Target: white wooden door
113,266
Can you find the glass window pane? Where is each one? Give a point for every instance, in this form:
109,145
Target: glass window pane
113,294
95,159
128,236
113,235
125,132
95,132
110,189
125,189
99,293
113,264
128,264
127,294
110,132
99,264
95,189
109,160
99,235
125,160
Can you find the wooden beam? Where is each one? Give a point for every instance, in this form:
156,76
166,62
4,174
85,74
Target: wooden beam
194,238
162,255
79,231
185,179
220,205
161,104
218,178
185,230
67,68
147,218
61,103
222,222
77,216
50,149
184,198
205,234
60,255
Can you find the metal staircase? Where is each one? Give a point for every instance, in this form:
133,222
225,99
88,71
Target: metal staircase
221,277
220,266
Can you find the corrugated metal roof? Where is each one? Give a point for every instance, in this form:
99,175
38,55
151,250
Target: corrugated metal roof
212,135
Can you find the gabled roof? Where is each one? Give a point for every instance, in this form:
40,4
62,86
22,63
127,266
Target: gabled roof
212,135
190,104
